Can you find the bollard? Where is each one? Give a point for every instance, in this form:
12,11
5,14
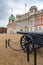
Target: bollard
35,56
6,43
27,53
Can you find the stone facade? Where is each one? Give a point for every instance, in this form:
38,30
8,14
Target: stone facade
30,21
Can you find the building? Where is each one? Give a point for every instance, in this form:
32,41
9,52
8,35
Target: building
30,21
3,30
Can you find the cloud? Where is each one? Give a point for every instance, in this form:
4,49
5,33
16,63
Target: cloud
18,8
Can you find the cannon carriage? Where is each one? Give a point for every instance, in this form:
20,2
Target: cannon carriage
31,39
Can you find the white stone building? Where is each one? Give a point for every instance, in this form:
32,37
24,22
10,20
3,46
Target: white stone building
30,21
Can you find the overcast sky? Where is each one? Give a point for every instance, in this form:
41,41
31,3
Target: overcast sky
18,7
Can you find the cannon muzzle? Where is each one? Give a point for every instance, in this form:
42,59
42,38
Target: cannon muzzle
21,32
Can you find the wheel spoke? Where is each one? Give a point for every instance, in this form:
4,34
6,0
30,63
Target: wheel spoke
23,42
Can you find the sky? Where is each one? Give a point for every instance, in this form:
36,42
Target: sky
17,6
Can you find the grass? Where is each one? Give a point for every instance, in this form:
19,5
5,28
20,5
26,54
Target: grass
11,57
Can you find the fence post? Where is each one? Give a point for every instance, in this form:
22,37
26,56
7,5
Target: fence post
35,56
6,43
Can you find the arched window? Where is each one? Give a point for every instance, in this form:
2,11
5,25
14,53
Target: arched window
21,30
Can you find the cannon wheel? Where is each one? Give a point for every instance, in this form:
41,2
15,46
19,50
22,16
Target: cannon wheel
29,40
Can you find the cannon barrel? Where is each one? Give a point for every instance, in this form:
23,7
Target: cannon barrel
28,33
21,33
35,36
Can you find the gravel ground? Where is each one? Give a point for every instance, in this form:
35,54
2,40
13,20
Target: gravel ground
11,57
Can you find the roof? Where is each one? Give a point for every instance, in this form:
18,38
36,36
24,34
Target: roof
12,17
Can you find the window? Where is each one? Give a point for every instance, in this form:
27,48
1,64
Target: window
36,28
37,22
21,30
12,20
31,11
39,28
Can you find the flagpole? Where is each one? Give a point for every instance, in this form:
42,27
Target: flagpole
25,7
25,12
11,10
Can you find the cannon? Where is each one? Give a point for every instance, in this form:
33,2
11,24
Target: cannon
31,41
